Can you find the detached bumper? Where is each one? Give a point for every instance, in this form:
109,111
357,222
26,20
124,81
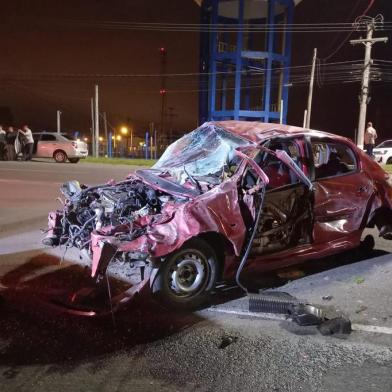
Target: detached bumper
104,248
53,234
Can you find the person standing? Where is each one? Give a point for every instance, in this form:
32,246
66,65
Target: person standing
3,143
10,138
370,138
28,145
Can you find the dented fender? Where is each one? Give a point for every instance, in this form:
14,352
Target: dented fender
215,211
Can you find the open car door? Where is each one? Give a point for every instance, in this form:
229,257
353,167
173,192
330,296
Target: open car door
287,214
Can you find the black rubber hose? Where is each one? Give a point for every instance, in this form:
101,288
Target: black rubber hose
249,245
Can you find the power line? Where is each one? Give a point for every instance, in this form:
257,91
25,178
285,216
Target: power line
197,28
47,77
370,5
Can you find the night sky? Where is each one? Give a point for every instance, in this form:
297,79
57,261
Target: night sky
43,37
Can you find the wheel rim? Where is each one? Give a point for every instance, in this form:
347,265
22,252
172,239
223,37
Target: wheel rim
189,274
60,156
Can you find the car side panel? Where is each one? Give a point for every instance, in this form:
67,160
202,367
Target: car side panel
45,149
340,207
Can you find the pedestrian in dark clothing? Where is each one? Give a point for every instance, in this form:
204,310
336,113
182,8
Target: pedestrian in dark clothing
3,143
10,138
28,145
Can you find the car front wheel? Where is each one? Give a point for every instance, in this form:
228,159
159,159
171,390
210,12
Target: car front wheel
74,160
60,156
186,278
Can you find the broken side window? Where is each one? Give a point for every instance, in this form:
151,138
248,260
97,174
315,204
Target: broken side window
332,159
277,171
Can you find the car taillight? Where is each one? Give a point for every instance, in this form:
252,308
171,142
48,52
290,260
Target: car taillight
74,144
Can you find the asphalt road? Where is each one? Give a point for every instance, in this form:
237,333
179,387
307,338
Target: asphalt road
28,190
149,348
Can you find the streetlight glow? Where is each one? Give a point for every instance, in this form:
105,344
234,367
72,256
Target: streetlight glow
124,130
118,137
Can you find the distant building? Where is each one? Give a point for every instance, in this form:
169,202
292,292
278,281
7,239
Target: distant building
245,59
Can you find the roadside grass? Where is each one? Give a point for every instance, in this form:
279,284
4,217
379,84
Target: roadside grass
120,161
388,168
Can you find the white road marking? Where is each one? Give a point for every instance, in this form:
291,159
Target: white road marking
371,328
280,317
269,316
26,170
29,182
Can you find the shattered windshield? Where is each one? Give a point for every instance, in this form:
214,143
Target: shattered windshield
204,152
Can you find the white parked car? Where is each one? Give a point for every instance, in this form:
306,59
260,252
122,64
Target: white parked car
383,153
58,146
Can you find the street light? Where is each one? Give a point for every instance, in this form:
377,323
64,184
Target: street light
118,138
124,130
101,139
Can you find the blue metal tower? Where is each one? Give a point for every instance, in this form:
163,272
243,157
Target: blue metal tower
245,68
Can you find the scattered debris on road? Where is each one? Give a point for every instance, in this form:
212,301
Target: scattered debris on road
335,326
227,340
359,280
361,308
301,312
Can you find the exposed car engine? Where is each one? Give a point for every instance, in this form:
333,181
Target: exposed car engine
107,206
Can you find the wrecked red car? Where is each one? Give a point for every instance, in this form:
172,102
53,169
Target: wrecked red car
229,196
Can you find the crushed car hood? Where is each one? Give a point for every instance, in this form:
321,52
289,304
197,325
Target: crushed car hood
151,177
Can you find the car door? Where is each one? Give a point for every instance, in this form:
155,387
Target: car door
46,145
342,194
287,217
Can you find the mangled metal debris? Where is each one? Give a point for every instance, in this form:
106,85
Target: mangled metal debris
300,312
227,197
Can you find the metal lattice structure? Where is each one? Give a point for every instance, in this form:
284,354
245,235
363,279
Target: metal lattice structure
245,59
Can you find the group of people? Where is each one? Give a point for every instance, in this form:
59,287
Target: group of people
15,142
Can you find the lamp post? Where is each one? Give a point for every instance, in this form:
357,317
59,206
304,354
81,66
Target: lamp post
118,138
124,131
100,143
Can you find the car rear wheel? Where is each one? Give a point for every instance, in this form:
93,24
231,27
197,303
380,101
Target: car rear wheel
74,160
186,277
389,161
60,156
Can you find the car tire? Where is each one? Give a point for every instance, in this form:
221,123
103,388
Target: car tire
186,277
74,160
60,156
389,161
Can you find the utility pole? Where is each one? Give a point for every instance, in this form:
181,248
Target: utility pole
106,131
92,128
96,122
364,97
58,121
152,141
311,85
161,136
170,115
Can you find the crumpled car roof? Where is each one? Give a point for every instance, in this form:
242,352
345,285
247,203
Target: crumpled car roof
256,132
